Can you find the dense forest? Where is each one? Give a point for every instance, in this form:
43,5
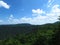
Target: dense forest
27,34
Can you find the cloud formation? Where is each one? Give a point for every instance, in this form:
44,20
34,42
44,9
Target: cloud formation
37,11
5,5
39,16
39,19
50,2
13,20
1,21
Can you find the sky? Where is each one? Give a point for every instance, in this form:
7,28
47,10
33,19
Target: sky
36,12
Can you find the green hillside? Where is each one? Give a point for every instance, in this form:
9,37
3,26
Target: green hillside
27,34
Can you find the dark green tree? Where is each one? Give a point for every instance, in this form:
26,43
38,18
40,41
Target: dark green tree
56,38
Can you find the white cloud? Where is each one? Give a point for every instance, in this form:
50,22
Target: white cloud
11,17
56,9
50,2
5,5
34,20
37,11
12,20
1,21
50,17
54,13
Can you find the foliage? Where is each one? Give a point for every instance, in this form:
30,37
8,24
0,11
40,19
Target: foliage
47,34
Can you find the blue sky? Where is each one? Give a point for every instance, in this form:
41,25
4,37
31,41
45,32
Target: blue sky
35,12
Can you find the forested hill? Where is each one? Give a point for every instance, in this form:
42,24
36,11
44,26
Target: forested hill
12,30
27,34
